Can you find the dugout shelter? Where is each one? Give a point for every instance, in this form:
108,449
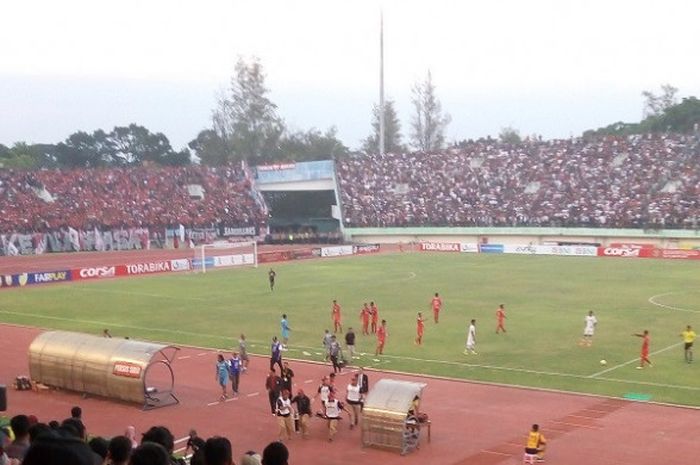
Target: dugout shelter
122,369
385,413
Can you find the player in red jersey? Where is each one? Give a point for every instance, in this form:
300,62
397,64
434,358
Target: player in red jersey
420,327
374,312
335,313
436,304
381,338
364,316
644,355
501,318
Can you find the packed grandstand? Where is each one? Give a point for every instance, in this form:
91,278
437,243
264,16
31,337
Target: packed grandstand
648,181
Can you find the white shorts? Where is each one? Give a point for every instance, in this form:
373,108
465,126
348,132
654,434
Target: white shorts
470,344
588,332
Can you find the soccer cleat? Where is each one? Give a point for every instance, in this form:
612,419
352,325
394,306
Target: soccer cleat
466,352
640,368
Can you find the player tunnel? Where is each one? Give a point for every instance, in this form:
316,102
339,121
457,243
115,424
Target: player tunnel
123,369
385,413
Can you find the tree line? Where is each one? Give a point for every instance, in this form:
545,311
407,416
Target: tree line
246,125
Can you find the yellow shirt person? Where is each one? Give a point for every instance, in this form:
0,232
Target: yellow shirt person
688,338
536,442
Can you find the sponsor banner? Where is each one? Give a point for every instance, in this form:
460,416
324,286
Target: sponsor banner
490,248
14,280
180,264
440,246
281,256
361,249
336,251
148,267
623,252
73,240
302,254
631,245
197,262
567,250
276,167
520,249
469,247
674,254
49,277
225,231
234,260
126,369
98,272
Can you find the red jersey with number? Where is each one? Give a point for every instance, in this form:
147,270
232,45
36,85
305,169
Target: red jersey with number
364,313
645,344
420,325
374,311
381,334
501,315
437,303
336,312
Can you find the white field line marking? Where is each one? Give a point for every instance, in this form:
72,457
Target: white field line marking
202,354
184,357
397,357
308,381
652,300
650,383
183,439
496,452
253,394
177,451
628,362
213,403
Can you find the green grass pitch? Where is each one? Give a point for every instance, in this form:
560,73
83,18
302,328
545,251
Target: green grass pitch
546,300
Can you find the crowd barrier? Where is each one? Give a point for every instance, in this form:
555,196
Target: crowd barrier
179,265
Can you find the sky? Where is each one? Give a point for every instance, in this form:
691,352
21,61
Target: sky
554,68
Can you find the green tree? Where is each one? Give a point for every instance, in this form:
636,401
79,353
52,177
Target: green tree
429,123
312,145
656,105
133,144
510,135
83,150
392,131
246,118
210,148
28,156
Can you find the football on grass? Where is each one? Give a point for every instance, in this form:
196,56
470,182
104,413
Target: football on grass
603,362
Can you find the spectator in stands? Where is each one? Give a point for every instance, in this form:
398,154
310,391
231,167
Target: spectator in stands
119,450
20,428
162,435
251,458
55,449
149,453
275,453
217,451
99,447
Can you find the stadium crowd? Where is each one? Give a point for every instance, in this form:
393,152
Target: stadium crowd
27,441
650,181
37,201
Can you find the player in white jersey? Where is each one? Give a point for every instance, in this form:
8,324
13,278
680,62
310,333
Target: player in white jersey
471,339
589,330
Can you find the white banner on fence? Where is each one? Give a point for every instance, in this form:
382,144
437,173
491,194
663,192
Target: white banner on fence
234,260
336,251
468,247
566,250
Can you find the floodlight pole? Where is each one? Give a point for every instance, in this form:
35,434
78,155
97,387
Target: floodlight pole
381,84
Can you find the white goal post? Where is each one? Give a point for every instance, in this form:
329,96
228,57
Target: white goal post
222,254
